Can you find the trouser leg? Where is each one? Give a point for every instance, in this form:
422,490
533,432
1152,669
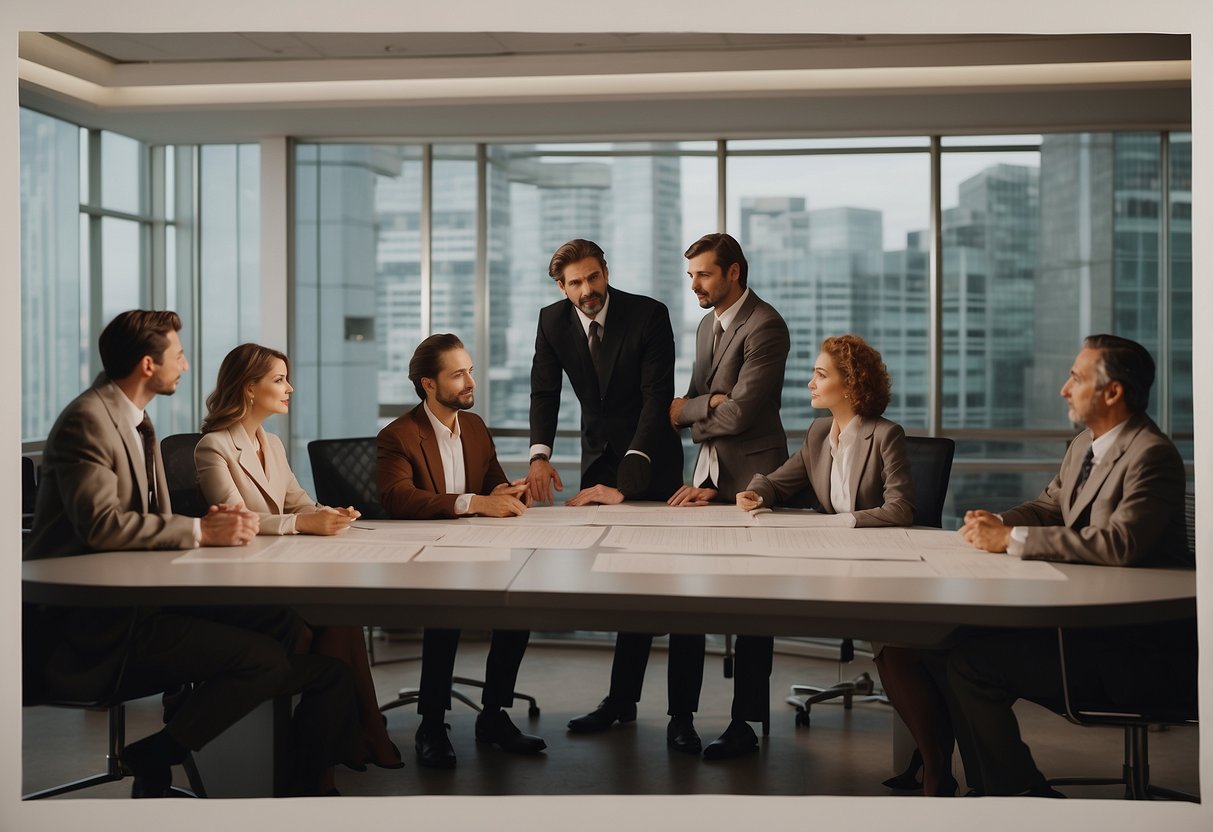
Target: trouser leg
628,666
752,678
438,647
685,672
986,675
325,725
501,667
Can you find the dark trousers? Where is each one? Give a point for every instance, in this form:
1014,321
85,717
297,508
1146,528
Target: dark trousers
237,668
438,650
1115,667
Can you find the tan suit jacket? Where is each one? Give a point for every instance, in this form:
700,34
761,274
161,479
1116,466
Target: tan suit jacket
92,496
411,483
748,366
230,472
1130,511
880,473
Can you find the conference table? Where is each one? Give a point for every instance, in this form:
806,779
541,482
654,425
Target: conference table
557,589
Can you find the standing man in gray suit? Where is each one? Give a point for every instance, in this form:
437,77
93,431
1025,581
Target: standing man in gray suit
103,488
1118,500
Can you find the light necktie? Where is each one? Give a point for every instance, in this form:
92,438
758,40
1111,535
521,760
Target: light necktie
148,434
595,342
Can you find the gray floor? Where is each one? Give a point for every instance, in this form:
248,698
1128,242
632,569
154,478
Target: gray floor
842,753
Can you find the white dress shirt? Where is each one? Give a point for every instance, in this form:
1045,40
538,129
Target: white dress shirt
708,464
135,418
842,452
450,448
1099,447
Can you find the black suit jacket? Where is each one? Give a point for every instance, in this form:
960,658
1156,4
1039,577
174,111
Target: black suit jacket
625,405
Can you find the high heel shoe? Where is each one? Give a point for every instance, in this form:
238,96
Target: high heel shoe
947,787
908,780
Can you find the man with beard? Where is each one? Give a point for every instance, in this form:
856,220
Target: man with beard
434,462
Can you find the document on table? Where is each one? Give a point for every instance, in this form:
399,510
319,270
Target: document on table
681,516
217,554
335,550
839,544
523,537
544,516
976,564
801,520
462,554
657,563
395,533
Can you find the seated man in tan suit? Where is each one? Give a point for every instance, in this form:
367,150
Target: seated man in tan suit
103,488
436,462
1117,501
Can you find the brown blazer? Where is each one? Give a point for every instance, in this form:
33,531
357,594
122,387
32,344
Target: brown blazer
411,482
93,493
880,475
1130,511
230,472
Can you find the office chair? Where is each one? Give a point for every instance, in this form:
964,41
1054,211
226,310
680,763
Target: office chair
182,475
29,492
930,461
113,702
344,473
1135,770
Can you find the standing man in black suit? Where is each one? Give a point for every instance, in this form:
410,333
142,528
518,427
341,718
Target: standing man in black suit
622,371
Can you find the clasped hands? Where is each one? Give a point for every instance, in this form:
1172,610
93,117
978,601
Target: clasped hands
985,531
228,525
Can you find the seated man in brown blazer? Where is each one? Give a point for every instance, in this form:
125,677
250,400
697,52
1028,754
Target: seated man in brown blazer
1118,500
103,488
435,462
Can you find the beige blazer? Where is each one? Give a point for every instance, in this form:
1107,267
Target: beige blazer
1130,511
230,472
93,491
880,474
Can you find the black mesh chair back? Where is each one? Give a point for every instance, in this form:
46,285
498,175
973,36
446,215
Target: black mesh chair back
1190,520
29,491
344,473
182,475
930,469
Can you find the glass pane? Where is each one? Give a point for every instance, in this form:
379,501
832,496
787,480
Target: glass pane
453,235
991,236
838,244
1181,284
55,340
357,289
123,174
988,141
122,267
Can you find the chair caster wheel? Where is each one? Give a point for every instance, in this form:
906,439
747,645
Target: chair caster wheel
532,711
802,719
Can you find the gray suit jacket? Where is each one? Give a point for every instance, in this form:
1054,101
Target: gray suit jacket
1130,511
749,367
92,495
230,472
880,473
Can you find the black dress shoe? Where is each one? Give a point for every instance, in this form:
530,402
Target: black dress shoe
495,727
608,712
737,739
680,734
434,746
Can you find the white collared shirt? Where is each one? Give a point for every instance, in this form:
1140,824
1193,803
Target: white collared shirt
708,463
842,452
450,448
1099,448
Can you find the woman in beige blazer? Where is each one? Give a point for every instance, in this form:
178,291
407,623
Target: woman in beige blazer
239,462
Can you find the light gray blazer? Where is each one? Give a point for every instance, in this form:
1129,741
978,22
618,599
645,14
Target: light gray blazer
93,491
230,472
748,367
880,474
1130,511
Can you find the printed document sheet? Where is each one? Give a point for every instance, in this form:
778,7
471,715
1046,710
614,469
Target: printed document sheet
544,516
681,516
523,537
395,533
462,554
840,544
657,563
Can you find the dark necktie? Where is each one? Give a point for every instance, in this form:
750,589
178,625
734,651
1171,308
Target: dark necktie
717,331
148,434
595,342
1088,462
